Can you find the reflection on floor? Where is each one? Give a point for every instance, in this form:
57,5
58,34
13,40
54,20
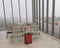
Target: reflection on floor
45,41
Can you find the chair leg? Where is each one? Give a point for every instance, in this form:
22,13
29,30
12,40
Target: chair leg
6,35
11,39
40,36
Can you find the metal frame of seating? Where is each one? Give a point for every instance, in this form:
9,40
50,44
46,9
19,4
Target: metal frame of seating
16,32
9,30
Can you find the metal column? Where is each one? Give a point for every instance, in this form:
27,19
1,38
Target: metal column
26,11
36,11
4,13
12,12
59,32
53,14
39,15
19,10
33,11
47,15
42,15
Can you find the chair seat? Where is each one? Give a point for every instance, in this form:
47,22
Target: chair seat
9,32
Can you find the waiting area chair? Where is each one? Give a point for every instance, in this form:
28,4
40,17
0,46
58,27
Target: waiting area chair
16,32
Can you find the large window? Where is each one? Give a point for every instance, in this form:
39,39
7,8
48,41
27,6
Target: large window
50,17
14,12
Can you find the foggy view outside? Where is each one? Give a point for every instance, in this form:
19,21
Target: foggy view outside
9,18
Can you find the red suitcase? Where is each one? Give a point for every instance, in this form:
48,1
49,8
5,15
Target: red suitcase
28,38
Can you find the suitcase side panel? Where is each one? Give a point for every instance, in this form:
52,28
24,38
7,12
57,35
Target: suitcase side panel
28,38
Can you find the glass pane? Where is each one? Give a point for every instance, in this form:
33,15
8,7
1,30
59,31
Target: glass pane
29,10
41,14
38,11
57,19
23,11
45,15
8,11
50,18
15,11
2,22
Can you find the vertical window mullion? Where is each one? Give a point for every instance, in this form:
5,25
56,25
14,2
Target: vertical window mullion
47,15
36,11
12,12
42,15
39,15
4,14
19,10
53,13
26,11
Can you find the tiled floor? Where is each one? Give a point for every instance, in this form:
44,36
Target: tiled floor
45,41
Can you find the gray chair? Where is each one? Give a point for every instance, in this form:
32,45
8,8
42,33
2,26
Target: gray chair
9,30
34,29
16,32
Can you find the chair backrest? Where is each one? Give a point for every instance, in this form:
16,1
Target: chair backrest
26,28
10,27
22,27
16,30
34,27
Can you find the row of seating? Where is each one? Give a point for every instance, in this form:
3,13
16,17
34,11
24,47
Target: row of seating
18,30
